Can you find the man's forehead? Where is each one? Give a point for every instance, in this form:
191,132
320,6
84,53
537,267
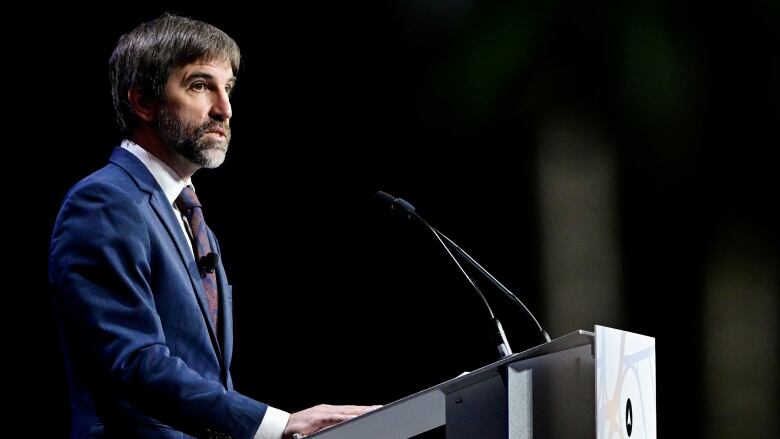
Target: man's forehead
217,68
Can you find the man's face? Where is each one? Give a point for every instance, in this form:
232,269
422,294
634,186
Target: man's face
194,118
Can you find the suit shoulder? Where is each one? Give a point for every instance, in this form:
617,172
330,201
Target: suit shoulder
103,210
107,196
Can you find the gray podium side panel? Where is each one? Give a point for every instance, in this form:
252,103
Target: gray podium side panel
553,396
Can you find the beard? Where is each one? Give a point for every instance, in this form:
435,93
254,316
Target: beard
190,139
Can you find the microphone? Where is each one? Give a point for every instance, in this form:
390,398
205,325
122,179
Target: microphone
395,203
404,206
208,262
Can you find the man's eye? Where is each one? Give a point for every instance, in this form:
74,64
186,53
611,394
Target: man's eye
199,86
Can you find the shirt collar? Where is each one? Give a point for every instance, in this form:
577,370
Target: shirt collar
169,181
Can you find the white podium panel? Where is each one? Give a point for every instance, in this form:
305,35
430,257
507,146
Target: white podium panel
625,385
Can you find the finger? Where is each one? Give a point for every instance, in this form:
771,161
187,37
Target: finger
329,419
344,413
357,409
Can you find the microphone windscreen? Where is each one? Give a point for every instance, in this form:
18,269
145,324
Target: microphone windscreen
385,198
394,202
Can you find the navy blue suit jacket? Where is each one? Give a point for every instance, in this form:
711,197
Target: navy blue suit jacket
143,359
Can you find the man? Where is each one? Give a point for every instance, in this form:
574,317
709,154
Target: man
145,305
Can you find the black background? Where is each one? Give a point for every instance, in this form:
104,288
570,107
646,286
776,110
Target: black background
339,301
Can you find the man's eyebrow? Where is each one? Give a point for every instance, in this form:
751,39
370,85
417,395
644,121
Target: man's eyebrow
205,75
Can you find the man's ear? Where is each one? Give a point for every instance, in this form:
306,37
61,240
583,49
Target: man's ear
143,107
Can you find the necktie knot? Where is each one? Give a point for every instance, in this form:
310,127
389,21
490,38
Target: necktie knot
187,199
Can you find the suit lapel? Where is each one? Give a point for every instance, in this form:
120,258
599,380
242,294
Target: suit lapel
225,306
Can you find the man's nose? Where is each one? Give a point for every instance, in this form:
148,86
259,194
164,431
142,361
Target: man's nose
221,109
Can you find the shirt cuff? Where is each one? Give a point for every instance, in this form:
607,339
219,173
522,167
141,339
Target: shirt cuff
273,424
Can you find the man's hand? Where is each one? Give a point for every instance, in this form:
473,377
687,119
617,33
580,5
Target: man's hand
322,416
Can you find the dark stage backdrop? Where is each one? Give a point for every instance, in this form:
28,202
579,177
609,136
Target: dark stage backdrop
616,158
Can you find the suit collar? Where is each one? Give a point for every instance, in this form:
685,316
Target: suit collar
135,168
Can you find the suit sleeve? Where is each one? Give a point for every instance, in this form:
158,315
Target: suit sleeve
100,270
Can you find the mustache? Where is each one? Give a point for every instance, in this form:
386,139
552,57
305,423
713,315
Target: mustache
214,125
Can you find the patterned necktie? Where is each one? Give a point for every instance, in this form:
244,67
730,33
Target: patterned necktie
188,204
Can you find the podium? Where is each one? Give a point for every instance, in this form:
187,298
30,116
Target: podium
582,385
